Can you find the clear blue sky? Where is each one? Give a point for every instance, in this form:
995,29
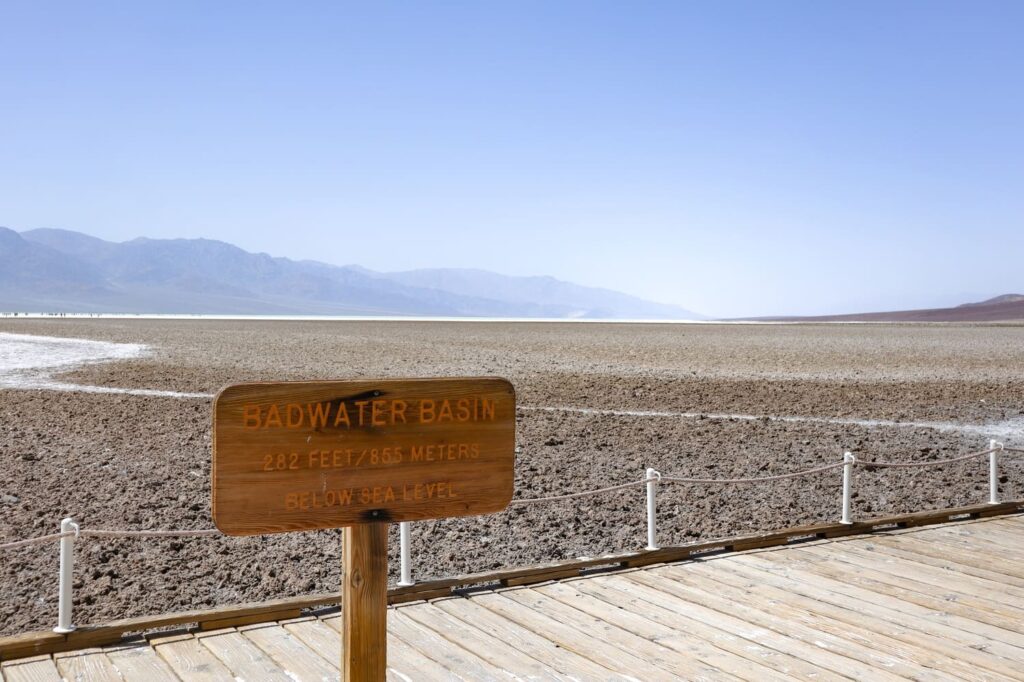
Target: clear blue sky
736,158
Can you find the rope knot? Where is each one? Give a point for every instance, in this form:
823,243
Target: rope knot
654,475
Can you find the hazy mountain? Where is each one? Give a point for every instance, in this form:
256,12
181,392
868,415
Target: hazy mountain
1001,308
572,300
29,266
998,300
61,270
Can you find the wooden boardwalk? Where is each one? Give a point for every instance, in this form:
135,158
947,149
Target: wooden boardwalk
944,602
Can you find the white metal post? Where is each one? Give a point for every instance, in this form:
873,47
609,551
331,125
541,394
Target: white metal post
993,472
652,491
848,460
67,567
403,535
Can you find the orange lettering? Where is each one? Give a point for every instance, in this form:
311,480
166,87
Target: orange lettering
427,411
361,404
322,410
342,416
398,411
251,417
294,415
273,417
377,410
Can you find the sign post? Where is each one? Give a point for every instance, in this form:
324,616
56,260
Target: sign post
359,455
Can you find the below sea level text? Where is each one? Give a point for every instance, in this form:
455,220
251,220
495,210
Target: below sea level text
375,495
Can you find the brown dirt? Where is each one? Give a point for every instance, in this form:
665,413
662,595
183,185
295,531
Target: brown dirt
131,462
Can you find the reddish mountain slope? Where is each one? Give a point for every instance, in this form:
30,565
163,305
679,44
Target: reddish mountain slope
1000,308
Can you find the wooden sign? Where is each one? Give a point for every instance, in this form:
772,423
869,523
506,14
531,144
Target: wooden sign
329,454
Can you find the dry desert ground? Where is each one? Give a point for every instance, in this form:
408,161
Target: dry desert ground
599,404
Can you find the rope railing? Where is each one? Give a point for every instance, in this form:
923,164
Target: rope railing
572,496
758,479
70,531
206,532
937,462
105,533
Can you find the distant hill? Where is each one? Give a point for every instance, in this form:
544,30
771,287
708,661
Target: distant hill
998,300
1001,308
59,270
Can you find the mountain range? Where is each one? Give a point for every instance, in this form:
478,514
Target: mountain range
1000,308
47,270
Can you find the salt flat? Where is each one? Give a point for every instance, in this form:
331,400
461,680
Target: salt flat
608,401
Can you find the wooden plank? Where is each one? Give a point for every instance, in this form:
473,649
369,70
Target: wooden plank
540,577
523,639
404,662
29,644
814,628
690,637
291,654
190,660
1005,627
420,596
86,665
242,657
111,633
326,641
33,669
467,664
820,649
140,662
486,646
680,615
987,542
365,588
972,547
928,651
305,455
1005,539
574,635
934,645
318,637
951,628
948,558
623,630
932,579
1014,522
249,619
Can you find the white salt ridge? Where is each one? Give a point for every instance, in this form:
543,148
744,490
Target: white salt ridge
1011,429
29,362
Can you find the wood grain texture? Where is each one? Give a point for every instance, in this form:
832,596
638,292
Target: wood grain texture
190,660
364,603
140,661
329,454
35,669
825,610
908,526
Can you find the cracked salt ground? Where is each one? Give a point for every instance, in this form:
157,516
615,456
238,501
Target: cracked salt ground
136,461
1010,430
29,362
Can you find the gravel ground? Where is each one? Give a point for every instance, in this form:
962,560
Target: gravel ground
135,462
